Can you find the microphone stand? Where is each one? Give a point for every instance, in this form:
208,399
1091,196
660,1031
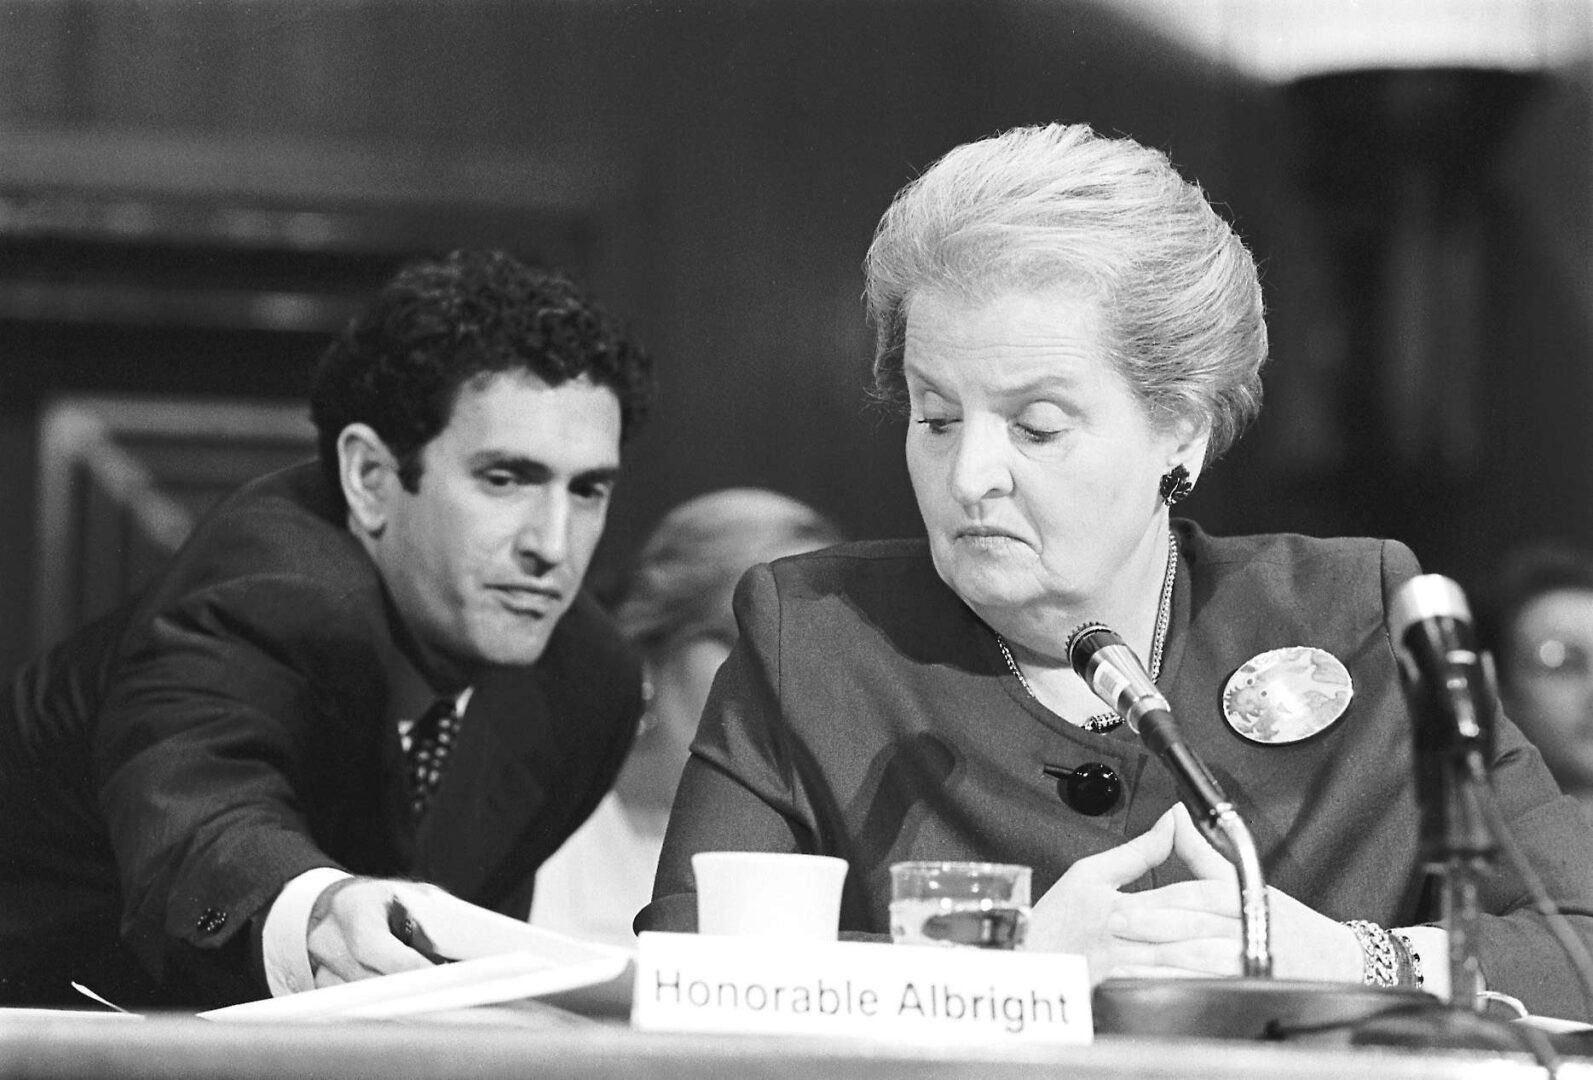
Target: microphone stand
1466,855
1461,856
1451,690
1219,822
1458,846
1255,917
1254,1006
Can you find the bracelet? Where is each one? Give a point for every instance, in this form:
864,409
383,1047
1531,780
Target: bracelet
1379,959
1404,969
1412,958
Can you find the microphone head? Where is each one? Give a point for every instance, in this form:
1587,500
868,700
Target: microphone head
1426,597
1085,642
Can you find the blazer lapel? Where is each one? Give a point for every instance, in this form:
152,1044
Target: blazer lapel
493,786
539,747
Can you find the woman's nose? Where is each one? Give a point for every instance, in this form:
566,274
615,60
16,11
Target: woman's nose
979,466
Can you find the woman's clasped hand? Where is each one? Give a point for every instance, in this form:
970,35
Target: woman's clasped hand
1187,928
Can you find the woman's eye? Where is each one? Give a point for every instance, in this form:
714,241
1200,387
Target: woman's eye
1040,423
1033,434
936,425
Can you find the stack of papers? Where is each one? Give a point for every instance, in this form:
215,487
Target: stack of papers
495,959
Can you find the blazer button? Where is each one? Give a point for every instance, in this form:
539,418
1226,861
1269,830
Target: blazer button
211,920
1092,789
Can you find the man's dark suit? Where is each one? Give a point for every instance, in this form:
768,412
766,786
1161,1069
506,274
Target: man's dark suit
167,769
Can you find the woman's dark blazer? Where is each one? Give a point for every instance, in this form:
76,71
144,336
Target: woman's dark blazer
867,713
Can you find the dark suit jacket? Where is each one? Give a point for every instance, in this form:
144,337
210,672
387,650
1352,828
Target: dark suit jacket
866,712
167,769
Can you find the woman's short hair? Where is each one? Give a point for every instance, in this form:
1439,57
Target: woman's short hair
1036,207
682,583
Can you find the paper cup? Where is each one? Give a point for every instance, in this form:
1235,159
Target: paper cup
766,894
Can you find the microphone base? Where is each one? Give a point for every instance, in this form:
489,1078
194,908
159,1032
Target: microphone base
1450,1028
1252,1009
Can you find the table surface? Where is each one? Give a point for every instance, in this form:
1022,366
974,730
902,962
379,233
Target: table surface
488,1044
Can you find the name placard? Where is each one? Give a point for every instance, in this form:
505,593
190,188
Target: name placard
695,982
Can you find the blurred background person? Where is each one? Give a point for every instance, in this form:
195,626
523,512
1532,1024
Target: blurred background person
675,607
1541,631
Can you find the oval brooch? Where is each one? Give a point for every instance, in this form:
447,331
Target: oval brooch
1286,695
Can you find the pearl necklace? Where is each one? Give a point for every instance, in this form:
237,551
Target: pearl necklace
1164,613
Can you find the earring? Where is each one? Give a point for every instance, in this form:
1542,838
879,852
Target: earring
1176,484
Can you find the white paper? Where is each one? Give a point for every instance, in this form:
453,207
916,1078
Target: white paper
499,959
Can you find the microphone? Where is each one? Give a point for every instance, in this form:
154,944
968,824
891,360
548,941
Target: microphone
1111,669
1109,666
1449,685
1430,624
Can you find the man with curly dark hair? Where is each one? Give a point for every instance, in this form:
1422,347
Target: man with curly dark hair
365,686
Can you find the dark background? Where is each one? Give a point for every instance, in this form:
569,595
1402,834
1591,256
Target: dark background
193,195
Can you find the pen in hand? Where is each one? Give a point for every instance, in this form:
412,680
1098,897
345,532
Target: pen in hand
404,927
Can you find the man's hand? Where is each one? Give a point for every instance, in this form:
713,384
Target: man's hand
350,935
1190,928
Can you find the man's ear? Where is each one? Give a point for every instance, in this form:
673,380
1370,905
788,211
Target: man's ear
368,472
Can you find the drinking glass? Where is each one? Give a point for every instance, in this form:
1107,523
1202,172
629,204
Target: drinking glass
977,904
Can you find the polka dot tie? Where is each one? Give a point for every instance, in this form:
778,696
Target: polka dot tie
430,741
